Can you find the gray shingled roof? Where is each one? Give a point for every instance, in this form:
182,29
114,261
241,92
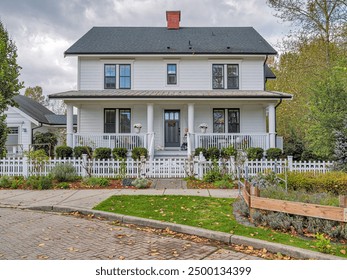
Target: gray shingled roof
268,73
39,112
135,94
160,40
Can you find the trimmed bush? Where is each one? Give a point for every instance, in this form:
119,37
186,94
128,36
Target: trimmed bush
64,172
137,152
273,153
228,152
80,150
102,153
202,150
5,182
64,152
141,183
212,153
119,153
255,153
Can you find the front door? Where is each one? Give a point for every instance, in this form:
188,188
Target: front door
172,128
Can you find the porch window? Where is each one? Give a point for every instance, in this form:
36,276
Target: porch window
117,118
110,76
218,76
226,120
233,76
124,76
172,74
110,121
124,120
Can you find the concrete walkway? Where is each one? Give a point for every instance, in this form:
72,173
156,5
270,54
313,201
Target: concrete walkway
87,199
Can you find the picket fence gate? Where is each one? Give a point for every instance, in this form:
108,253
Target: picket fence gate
156,168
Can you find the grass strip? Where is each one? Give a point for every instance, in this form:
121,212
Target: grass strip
204,212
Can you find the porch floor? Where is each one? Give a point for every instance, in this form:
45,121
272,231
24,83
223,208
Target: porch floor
173,152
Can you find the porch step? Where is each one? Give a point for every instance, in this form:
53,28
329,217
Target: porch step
170,153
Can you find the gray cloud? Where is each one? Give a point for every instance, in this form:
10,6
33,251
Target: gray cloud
43,30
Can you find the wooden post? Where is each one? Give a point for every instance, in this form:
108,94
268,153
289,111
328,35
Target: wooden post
254,191
343,201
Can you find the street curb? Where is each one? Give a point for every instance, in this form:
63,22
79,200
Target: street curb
213,235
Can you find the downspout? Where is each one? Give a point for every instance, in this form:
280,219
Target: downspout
266,57
278,104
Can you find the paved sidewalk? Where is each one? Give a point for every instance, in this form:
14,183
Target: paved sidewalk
87,199
84,200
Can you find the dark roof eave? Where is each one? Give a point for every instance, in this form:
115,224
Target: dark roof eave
170,53
182,96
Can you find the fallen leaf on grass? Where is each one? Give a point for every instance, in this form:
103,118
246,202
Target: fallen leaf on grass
343,252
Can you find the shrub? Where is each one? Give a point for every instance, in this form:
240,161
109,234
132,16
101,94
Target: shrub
334,182
202,150
127,182
212,153
80,150
255,153
137,152
5,182
63,152
102,153
96,182
213,175
63,185
40,182
119,153
224,184
141,183
228,152
64,172
273,153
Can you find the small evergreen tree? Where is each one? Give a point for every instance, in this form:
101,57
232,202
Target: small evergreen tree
340,151
9,83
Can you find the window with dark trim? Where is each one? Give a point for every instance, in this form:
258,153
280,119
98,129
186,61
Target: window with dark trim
172,74
231,117
233,76
122,121
110,76
218,76
124,76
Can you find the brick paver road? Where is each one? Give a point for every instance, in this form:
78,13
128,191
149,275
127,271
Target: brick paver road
34,235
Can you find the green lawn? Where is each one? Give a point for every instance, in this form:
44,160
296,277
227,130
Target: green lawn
205,212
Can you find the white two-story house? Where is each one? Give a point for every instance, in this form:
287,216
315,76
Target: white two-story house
172,80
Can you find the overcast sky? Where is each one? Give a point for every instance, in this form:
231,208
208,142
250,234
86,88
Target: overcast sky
44,29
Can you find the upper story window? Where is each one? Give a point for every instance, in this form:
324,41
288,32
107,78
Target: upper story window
110,76
172,74
124,76
231,81
218,76
233,76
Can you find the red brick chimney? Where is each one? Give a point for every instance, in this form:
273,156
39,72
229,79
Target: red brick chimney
173,19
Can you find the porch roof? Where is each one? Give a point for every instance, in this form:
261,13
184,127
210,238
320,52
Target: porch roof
172,94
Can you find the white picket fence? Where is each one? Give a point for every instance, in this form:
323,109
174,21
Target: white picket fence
156,168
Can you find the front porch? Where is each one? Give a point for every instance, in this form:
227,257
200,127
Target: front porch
174,127
194,140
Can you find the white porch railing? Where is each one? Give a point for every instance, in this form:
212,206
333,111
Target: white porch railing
120,140
239,141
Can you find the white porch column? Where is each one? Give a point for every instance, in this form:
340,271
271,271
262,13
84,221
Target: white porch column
150,118
69,125
272,125
150,128
191,117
